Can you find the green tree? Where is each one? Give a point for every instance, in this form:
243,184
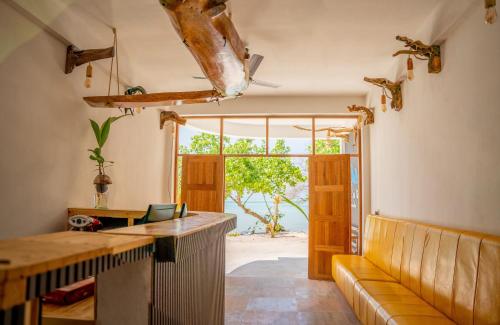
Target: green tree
250,176
326,147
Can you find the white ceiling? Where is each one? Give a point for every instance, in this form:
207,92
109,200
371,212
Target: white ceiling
311,47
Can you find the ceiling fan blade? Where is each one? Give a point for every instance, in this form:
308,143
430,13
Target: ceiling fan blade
255,61
265,84
199,78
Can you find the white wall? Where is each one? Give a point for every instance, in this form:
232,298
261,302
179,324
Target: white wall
438,160
45,132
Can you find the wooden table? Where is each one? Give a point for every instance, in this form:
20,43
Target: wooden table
189,267
130,215
33,266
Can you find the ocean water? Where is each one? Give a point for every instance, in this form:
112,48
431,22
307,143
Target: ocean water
292,220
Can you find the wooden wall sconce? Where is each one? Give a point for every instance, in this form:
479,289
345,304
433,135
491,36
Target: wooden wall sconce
171,116
76,57
369,118
419,50
393,87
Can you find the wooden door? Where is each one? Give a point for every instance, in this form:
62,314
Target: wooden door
202,183
329,212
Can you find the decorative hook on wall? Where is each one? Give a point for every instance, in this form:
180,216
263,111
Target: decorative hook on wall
421,51
171,116
76,57
368,112
393,87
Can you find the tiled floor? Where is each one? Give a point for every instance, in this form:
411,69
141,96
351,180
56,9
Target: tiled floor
278,292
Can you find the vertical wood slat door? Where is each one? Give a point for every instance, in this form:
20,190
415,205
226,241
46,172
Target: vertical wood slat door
202,183
329,212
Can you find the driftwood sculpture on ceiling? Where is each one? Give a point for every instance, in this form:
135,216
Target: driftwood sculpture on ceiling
208,32
210,35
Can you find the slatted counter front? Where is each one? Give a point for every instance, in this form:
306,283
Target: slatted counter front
189,267
33,266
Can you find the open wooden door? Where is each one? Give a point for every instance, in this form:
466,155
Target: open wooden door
329,212
202,184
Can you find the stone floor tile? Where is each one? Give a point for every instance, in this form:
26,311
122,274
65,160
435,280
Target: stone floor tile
273,304
321,318
270,318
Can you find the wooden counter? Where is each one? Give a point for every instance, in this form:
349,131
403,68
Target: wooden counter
196,222
33,266
189,267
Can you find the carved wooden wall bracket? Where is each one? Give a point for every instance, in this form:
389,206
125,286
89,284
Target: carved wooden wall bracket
171,116
76,57
421,51
393,87
369,118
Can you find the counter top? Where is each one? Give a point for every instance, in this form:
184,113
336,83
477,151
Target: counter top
22,258
196,222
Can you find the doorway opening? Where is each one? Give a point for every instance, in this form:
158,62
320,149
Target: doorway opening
258,167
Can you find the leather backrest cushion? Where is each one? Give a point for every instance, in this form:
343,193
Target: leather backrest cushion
487,298
445,271
397,250
409,233
464,280
429,263
380,242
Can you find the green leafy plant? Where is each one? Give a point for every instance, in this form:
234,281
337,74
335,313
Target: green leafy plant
101,135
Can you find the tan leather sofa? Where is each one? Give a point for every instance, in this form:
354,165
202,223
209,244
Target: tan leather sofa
414,273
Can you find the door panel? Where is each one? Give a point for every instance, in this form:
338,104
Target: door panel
202,185
329,212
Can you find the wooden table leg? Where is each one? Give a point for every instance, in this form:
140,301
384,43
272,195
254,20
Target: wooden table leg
130,222
33,312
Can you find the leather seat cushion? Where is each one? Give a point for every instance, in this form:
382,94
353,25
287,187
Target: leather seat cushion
349,269
377,302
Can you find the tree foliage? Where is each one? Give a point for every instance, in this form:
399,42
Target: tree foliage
326,147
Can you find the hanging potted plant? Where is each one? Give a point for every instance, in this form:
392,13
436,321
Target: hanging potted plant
102,181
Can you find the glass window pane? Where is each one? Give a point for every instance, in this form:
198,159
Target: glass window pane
200,136
244,136
333,135
354,204
290,136
179,181
268,194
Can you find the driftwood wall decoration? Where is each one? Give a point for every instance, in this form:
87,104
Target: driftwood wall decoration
210,35
76,57
393,87
171,116
421,51
369,117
